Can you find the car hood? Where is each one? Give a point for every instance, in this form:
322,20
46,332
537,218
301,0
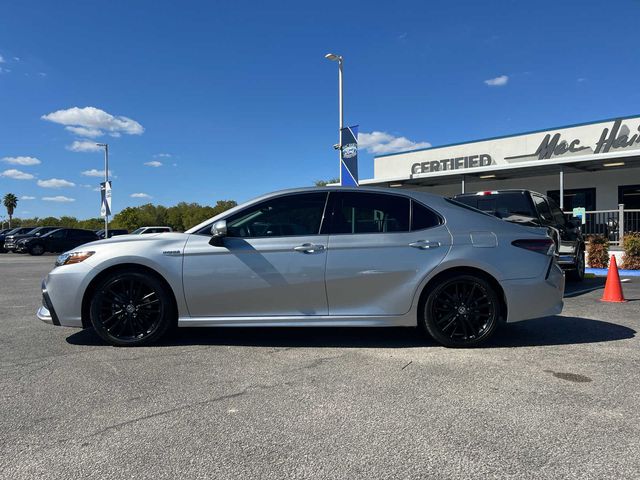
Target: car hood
148,237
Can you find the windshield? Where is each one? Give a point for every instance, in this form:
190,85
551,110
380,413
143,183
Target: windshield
137,231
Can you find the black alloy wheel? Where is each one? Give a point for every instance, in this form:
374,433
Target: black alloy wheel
36,250
461,310
132,308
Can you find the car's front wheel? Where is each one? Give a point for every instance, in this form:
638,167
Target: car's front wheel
461,310
36,250
132,308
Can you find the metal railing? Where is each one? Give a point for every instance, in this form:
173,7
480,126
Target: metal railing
613,224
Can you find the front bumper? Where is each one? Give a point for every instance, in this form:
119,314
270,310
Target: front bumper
62,291
9,245
46,312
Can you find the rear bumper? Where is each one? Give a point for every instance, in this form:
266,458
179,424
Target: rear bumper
535,297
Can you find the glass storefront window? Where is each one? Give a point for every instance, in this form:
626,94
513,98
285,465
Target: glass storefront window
575,197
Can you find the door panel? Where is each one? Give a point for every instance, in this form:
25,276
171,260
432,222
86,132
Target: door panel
376,274
271,263
375,261
255,277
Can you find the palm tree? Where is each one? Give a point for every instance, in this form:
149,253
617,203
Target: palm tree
11,202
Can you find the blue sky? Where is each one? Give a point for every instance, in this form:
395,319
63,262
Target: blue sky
235,99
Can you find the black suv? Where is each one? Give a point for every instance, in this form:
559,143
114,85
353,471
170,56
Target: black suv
59,240
535,210
11,241
15,231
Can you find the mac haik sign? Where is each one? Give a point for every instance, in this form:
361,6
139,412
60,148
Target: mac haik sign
589,140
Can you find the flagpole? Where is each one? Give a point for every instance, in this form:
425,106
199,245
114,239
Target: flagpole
106,179
338,58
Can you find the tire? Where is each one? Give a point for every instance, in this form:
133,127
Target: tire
132,308
36,250
462,310
577,275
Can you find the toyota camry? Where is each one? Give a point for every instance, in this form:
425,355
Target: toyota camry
331,256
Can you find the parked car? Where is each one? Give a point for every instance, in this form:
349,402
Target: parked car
112,232
314,257
11,241
14,231
145,230
58,240
535,209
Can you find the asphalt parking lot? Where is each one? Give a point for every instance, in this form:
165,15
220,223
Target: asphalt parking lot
549,398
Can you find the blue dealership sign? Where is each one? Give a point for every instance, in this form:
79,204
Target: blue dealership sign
349,156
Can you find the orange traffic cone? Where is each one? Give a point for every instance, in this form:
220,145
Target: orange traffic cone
613,287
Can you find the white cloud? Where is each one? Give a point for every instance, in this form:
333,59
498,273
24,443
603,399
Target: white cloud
380,143
2,60
16,174
94,120
55,183
84,146
500,81
163,155
93,173
59,198
85,132
153,163
27,197
140,195
24,161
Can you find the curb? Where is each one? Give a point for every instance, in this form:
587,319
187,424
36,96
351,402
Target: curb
602,272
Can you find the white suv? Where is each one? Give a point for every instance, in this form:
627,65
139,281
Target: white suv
143,230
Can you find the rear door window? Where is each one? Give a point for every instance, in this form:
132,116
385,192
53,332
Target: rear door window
422,217
357,213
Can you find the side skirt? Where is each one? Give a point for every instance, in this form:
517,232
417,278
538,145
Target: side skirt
300,321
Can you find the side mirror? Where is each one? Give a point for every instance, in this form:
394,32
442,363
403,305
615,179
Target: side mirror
218,232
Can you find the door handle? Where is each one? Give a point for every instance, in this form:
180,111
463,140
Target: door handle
424,244
309,248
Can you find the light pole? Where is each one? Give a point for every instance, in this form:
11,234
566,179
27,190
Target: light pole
106,179
338,58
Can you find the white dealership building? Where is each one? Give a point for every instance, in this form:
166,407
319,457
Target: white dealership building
591,165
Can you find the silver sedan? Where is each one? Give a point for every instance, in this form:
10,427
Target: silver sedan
314,257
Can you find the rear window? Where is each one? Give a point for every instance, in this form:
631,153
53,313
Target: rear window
507,206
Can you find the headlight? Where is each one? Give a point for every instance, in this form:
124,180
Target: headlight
70,258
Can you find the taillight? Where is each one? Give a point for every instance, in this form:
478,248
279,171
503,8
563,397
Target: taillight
540,245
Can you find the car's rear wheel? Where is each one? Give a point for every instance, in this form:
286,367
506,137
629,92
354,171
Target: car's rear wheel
577,275
132,308
461,310
36,250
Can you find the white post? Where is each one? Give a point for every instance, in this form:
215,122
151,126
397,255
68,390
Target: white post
620,222
463,184
341,108
106,179
562,189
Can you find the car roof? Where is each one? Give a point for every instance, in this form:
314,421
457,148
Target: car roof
504,190
430,199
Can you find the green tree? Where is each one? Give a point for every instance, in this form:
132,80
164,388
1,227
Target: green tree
324,183
11,203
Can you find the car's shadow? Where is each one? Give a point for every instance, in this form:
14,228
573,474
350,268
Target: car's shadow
556,330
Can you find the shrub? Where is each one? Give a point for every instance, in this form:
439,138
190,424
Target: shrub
598,251
631,244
